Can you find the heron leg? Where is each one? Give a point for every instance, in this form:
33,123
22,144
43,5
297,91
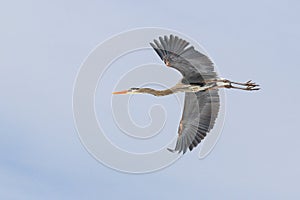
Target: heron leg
249,85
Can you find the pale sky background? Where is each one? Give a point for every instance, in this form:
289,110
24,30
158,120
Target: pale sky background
42,45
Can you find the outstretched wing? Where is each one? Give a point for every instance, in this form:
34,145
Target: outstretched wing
201,108
193,65
198,118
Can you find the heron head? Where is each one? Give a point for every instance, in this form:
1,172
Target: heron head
130,91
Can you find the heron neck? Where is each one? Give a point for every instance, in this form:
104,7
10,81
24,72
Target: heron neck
156,92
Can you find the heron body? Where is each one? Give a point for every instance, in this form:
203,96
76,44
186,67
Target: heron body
201,85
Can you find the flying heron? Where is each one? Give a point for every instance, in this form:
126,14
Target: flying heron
200,83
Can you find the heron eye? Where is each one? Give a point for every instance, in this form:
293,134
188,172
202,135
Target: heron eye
134,88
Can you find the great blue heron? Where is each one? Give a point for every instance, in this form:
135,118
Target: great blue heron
200,84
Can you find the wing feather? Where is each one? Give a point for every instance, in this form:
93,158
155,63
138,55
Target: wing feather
158,50
172,43
193,65
198,118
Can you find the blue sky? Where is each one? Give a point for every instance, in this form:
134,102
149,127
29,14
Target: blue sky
42,47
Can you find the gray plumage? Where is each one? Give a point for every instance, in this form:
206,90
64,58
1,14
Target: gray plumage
200,108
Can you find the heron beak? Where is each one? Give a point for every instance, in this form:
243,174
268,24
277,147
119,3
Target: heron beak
121,92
